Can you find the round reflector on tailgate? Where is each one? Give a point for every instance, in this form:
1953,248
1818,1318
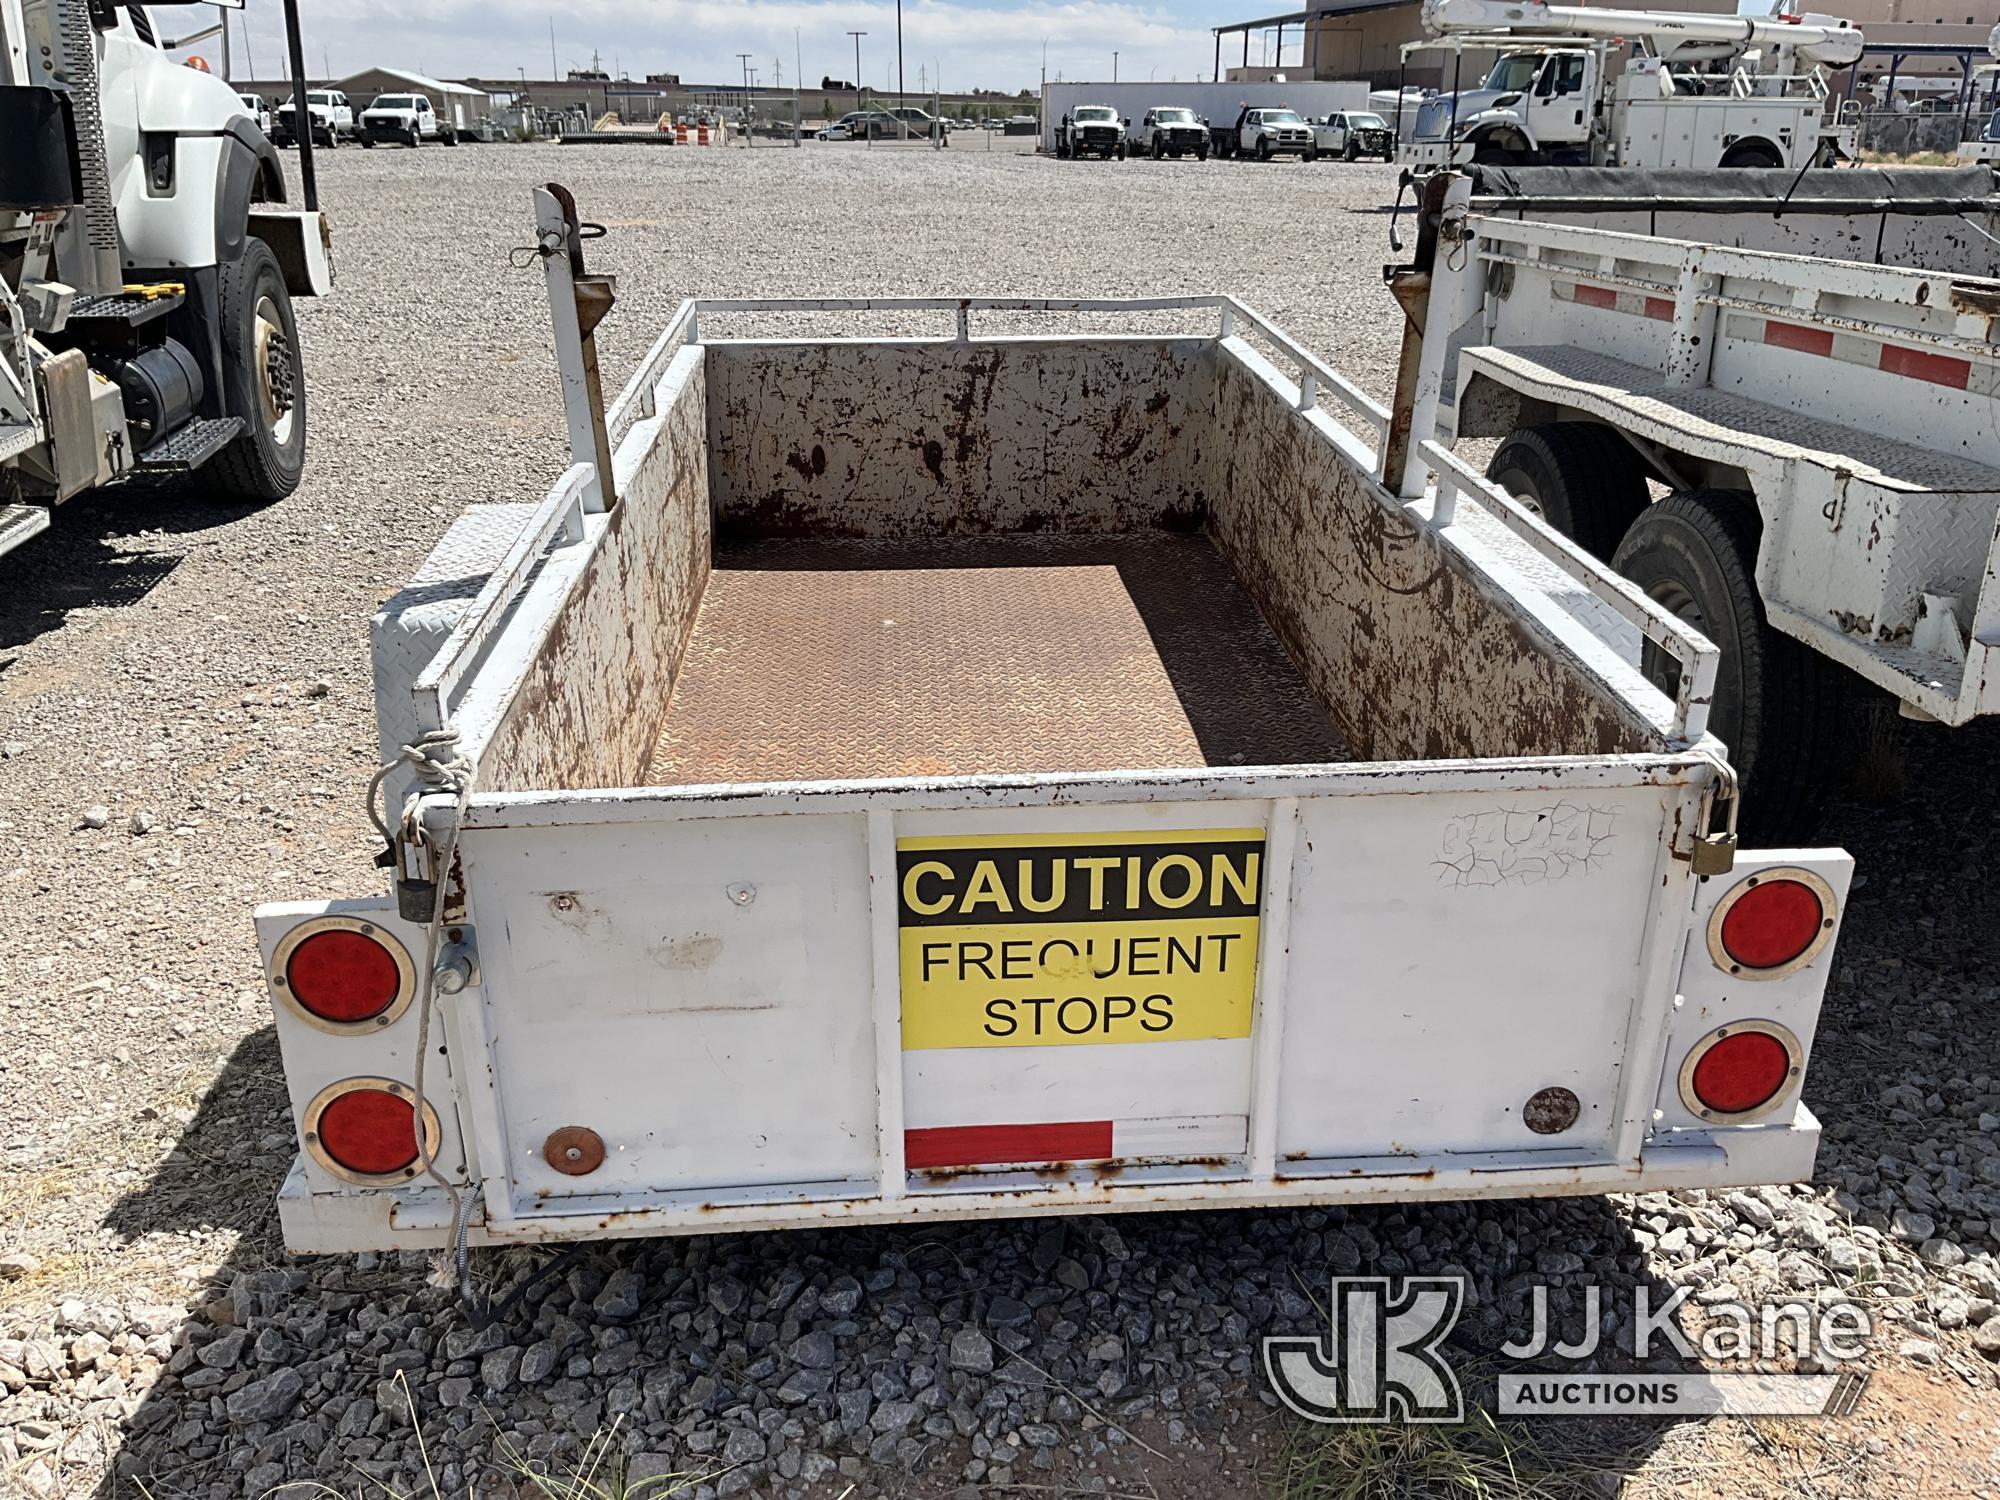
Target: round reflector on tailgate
1737,1072
1772,924
343,974
364,1131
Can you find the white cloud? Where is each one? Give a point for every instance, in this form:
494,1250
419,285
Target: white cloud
699,39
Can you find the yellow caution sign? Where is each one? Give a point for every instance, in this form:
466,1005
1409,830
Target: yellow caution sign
1040,940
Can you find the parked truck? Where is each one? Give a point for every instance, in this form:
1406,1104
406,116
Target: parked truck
148,258
1807,365
1279,825
1585,86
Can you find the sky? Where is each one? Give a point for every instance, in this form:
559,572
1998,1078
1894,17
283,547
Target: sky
967,45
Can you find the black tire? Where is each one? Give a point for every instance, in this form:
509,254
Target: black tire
1263,148
266,461
1777,704
1160,149
1493,156
368,143
1582,476
1751,154
1201,153
1311,153
1352,153
1120,151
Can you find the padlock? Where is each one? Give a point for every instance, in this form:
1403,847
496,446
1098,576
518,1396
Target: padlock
1715,853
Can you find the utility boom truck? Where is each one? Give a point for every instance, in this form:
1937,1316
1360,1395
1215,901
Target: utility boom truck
148,258
1694,91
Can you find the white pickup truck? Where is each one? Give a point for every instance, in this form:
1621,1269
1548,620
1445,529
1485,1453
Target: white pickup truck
1351,134
1807,363
810,814
332,119
406,119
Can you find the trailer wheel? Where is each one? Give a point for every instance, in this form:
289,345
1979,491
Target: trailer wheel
263,378
1777,703
1581,477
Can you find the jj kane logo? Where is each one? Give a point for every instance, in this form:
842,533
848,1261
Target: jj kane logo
1380,1360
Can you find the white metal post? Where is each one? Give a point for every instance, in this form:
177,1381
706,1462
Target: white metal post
552,239
1456,269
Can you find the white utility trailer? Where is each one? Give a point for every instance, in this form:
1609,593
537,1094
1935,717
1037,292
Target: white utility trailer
1809,365
879,784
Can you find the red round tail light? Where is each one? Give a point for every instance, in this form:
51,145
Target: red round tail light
1772,924
1736,1071
365,1130
341,972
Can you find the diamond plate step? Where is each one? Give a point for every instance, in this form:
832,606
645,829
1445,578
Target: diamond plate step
189,447
128,308
19,522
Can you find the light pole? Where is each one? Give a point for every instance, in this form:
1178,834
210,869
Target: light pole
857,35
899,67
1114,67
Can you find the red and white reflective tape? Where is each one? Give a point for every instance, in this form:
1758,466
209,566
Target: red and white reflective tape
947,1146
1960,374
1611,299
1980,377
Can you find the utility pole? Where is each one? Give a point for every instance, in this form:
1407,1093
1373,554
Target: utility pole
899,61
555,72
1114,67
857,35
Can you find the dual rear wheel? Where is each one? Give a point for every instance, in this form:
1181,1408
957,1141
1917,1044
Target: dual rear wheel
1777,703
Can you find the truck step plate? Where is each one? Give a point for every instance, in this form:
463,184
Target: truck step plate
19,522
129,308
965,655
190,447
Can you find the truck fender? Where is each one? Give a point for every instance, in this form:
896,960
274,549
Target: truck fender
249,172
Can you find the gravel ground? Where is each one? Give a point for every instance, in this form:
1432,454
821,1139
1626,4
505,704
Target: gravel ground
185,730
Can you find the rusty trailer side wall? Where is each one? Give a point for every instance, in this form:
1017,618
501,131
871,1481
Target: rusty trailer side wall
1415,655
899,438
589,705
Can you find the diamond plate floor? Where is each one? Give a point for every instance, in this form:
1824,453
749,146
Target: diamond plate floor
975,655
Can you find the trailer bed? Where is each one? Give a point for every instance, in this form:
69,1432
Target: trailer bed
856,657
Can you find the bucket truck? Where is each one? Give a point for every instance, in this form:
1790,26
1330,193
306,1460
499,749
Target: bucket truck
148,258
1588,87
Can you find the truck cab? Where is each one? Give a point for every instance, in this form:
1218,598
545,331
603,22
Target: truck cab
1533,104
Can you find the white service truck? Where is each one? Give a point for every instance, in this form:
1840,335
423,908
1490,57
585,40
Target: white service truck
148,258
1807,364
1270,831
1584,86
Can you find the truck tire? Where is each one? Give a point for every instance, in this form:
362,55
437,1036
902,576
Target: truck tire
1120,151
1311,153
1751,154
1160,149
1201,152
1582,477
1777,703
1493,156
415,138
263,378
1263,148
1352,153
